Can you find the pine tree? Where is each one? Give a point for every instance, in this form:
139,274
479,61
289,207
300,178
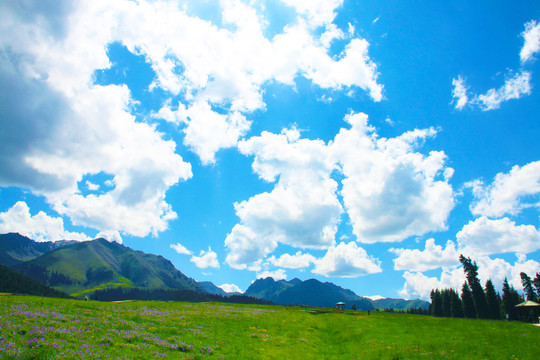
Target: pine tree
493,301
456,305
471,272
435,308
510,298
536,283
446,302
467,301
527,287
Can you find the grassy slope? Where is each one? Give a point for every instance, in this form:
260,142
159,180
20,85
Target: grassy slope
156,329
114,264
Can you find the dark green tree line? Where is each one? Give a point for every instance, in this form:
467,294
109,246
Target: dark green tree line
480,302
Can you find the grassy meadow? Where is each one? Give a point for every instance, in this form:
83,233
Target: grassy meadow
46,328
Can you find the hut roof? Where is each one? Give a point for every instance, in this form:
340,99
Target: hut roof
340,303
528,303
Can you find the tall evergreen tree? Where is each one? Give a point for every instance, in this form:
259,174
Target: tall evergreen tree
479,298
435,308
536,283
456,308
493,301
510,298
527,287
467,301
446,302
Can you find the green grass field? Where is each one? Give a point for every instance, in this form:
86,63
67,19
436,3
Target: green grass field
45,328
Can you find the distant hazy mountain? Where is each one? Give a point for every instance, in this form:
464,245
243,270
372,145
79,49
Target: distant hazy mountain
210,288
15,248
99,264
311,292
400,304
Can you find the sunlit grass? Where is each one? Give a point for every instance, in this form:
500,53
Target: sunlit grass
43,328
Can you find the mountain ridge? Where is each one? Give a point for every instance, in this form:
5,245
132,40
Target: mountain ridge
91,264
79,268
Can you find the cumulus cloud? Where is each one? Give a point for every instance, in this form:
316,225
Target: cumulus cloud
531,35
39,227
418,285
230,288
180,249
390,191
432,257
317,12
484,236
460,92
302,210
199,117
227,69
513,88
110,236
68,128
206,259
279,274
295,261
346,260
509,193
79,128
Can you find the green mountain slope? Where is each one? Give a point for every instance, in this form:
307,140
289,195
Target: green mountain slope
97,264
13,282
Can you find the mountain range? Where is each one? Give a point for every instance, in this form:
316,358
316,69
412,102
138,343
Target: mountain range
83,268
311,292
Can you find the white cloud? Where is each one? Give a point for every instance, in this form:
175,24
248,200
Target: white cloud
513,88
279,274
485,237
296,261
302,210
84,129
332,33
226,130
228,68
206,259
91,186
230,288
391,192
39,227
68,128
418,285
432,257
375,297
346,260
180,249
509,193
317,12
460,92
531,35
110,236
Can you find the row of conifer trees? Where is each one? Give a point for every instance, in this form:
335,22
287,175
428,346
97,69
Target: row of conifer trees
480,302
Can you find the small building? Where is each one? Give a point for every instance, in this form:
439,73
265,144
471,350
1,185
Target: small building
528,311
340,305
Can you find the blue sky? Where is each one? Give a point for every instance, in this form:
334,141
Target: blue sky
364,143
